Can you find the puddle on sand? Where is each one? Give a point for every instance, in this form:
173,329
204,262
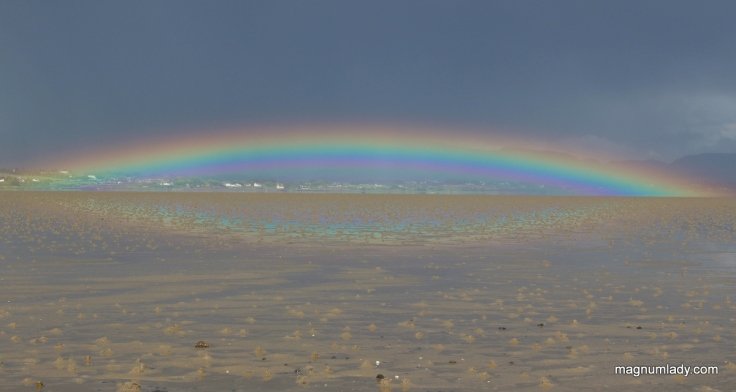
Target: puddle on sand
111,292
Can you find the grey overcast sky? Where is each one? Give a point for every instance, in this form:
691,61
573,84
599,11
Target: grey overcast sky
647,79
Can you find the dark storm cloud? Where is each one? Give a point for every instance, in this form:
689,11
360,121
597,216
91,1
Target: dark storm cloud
652,77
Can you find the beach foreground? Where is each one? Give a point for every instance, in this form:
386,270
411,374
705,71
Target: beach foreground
272,292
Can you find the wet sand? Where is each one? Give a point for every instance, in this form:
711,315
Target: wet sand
112,291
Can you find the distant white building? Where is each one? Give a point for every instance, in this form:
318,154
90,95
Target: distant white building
257,185
279,186
233,185
92,177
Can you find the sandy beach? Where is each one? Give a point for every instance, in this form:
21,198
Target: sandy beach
113,291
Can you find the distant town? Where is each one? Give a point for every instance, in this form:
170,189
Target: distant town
62,180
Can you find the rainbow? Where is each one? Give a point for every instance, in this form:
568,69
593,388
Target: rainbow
387,153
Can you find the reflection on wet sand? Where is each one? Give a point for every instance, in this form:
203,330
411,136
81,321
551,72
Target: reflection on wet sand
146,291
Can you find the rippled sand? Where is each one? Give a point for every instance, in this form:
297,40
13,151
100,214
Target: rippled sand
112,291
